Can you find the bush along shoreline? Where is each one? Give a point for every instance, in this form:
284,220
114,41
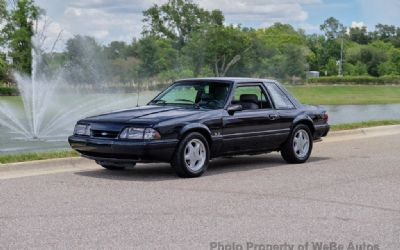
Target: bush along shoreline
355,80
8,91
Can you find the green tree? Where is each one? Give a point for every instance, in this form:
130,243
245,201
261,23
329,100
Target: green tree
195,54
360,69
125,70
86,61
385,32
295,63
156,55
116,49
280,35
225,48
359,35
3,21
332,28
331,68
316,44
3,68
372,57
387,68
177,19
19,31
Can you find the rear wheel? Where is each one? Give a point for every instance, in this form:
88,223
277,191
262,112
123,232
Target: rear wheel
192,156
297,149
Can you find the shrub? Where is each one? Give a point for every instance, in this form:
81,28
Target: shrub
8,90
389,79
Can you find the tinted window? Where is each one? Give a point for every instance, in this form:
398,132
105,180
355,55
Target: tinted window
279,98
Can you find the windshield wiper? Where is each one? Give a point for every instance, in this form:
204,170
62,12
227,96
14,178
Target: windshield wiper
184,100
196,105
159,101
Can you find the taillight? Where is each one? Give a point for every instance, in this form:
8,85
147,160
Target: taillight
325,116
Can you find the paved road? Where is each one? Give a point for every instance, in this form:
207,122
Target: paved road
348,193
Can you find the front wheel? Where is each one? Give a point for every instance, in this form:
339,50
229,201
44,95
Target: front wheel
192,156
298,147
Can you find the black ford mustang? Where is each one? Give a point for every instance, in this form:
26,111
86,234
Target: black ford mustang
195,120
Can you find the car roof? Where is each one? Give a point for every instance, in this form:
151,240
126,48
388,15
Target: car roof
229,79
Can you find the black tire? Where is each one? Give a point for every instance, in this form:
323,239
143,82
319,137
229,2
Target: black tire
180,165
288,151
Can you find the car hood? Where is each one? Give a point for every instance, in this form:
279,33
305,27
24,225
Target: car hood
145,114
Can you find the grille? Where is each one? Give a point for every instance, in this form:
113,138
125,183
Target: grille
105,134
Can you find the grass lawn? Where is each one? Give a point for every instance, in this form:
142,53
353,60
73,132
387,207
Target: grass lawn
355,125
349,94
11,99
36,156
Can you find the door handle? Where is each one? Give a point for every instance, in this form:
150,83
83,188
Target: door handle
273,116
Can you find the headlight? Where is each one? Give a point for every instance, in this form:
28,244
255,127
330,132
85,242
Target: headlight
82,129
139,134
151,134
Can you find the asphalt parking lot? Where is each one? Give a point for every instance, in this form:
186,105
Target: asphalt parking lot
348,193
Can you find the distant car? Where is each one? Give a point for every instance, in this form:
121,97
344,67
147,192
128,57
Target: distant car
195,120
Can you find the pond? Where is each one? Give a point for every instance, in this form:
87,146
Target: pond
356,113
11,143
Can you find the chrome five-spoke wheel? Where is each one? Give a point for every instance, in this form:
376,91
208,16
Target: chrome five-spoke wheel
192,156
301,143
195,155
298,146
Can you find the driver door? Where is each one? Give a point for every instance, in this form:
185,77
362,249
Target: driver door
254,128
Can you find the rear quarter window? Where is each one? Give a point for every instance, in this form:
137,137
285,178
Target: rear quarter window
279,98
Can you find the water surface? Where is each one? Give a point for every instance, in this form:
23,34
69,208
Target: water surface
356,113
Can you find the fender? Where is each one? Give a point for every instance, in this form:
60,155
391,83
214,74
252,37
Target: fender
191,126
303,118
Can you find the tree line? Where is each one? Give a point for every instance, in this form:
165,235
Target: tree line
181,39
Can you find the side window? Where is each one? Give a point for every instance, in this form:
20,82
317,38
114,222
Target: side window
251,97
279,98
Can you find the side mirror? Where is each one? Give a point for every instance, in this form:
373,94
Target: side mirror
234,108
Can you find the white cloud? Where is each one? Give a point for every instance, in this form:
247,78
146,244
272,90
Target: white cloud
108,20
262,11
356,24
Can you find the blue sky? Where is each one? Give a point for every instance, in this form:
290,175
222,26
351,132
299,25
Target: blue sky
109,20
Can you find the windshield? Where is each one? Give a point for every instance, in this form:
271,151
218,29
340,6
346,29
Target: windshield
211,95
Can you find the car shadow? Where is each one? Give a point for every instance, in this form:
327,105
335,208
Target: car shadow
163,171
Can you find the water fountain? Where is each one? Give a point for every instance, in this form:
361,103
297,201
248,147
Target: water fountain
48,111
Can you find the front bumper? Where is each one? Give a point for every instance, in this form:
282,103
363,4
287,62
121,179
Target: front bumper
124,150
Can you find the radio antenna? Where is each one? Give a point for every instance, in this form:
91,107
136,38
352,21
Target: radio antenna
138,95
